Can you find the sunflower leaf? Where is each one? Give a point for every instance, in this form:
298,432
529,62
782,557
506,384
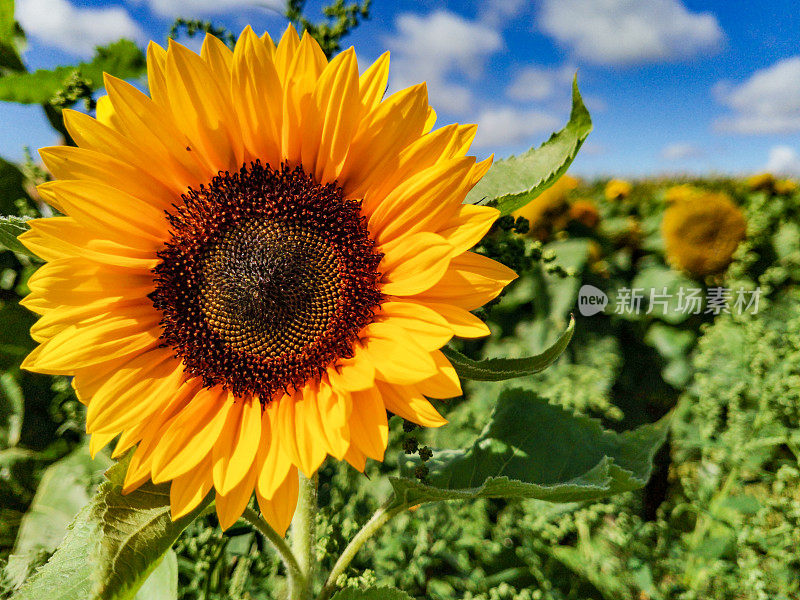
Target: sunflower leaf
122,59
500,369
112,546
532,449
11,228
10,37
511,183
373,593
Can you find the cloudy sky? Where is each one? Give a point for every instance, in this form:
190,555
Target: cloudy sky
673,85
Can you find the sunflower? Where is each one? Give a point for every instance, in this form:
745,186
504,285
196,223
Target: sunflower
701,234
617,189
761,182
585,211
256,262
549,211
681,193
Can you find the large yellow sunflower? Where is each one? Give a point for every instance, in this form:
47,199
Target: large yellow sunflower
257,262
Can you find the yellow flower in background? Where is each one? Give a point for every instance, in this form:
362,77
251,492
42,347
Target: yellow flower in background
681,193
761,182
256,262
549,211
585,211
701,235
617,189
785,187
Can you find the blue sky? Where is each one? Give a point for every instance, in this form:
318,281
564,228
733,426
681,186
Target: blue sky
674,86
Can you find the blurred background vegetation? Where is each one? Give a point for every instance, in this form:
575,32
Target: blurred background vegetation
720,518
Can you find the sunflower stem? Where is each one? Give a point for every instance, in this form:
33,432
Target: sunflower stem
294,574
303,535
378,520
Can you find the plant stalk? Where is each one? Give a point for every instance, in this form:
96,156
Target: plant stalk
303,535
293,571
378,520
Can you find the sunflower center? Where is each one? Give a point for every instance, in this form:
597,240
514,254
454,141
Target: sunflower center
267,278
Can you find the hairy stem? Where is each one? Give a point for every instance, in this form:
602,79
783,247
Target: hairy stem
303,534
378,520
293,571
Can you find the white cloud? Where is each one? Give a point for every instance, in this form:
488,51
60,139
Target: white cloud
535,83
189,8
76,30
505,126
768,102
783,160
496,13
440,48
680,151
629,31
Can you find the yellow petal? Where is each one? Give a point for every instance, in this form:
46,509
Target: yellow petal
110,213
468,226
133,392
279,510
258,98
336,101
236,448
425,202
368,423
352,374
413,263
276,463
202,110
396,355
462,322
67,162
445,384
372,84
187,491
191,435
470,282
230,506
408,403
424,324
76,347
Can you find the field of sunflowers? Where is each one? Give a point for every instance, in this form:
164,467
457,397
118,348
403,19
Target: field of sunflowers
629,429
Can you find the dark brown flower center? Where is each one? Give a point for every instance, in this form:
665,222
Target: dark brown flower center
267,278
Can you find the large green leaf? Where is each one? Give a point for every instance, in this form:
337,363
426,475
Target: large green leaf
122,59
10,229
64,489
500,369
163,581
515,181
531,449
112,546
376,593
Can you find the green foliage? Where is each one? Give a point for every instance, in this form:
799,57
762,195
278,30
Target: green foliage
499,369
112,546
531,449
376,593
514,182
340,20
194,26
10,229
11,35
121,59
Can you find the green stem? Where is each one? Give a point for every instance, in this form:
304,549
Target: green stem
303,534
378,520
295,575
